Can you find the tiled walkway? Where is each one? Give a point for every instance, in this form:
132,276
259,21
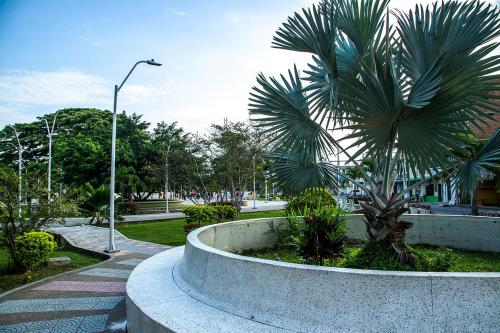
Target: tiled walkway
91,300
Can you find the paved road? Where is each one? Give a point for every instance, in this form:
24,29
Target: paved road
462,210
86,300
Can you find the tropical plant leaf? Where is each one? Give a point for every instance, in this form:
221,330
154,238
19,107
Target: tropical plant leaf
295,173
483,160
282,109
361,20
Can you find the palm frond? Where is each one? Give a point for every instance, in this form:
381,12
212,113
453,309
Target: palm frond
485,159
282,110
296,173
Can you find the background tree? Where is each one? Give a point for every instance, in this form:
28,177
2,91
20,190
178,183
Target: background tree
81,145
32,218
404,93
232,148
128,183
180,160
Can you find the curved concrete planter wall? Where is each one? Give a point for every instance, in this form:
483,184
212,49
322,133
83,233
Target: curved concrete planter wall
303,298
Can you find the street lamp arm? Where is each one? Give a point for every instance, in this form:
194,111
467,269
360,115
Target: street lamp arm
17,137
126,77
149,62
47,125
53,123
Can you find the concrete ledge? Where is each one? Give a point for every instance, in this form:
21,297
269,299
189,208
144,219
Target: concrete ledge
156,304
479,233
307,298
204,288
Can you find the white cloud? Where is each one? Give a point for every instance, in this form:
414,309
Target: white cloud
24,90
51,88
180,13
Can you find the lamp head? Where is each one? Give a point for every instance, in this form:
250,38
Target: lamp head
153,62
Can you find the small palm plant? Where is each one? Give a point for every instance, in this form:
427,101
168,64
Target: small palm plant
95,204
405,92
128,182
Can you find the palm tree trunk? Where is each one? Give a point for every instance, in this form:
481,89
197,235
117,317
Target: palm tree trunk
474,207
386,228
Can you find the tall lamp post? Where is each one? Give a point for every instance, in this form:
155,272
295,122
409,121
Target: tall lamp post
166,177
50,132
111,246
20,170
266,191
254,193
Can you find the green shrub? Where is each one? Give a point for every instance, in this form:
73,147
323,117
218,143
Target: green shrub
225,212
33,248
373,256
200,215
311,199
317,236
226,203
197,216
435,260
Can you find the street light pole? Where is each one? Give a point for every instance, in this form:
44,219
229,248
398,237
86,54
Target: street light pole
20,171
266,190
50,132
166,176
254,193
112,246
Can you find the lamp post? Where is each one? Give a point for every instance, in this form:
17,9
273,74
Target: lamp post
166,176
111,246
50,132
20,170
266,191
254,193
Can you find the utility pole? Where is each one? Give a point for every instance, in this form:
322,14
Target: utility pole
166,176
50,133
20,171
266,190
254,193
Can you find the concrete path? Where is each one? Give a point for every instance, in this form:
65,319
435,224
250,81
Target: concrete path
87,300
261,206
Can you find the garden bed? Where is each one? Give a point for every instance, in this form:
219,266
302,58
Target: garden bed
315,298
428,258
10,279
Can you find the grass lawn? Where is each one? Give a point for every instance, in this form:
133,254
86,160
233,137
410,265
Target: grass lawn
429,258
10,279
171,232
167,232
158,204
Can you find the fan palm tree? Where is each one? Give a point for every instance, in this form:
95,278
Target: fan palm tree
405,92
480,157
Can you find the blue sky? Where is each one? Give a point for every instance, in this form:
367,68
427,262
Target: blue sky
68,53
